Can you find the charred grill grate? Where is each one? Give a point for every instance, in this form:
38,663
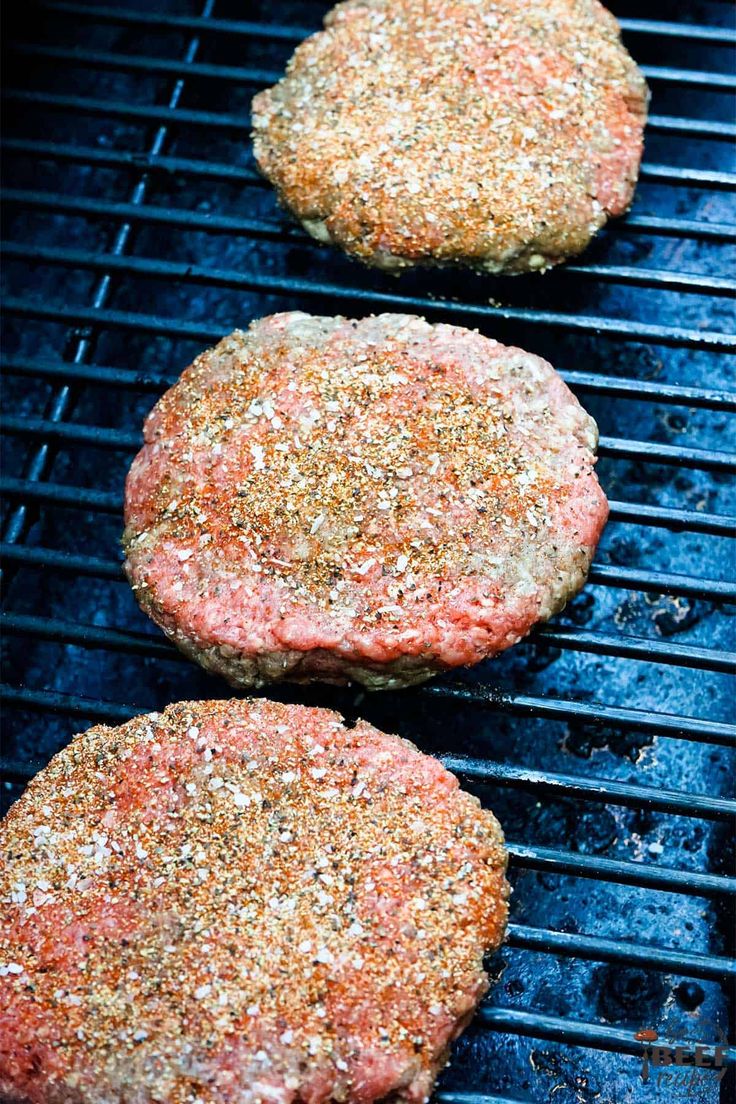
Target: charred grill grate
137,230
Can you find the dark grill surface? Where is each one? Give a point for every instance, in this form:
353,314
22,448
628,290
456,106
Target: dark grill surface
137,231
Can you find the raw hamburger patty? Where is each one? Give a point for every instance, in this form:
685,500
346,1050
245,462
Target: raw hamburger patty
499,134
320,498
241,902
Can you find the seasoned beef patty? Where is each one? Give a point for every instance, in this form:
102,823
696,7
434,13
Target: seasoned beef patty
375,500
244,902
498,134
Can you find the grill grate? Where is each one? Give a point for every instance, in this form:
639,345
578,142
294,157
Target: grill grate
137,230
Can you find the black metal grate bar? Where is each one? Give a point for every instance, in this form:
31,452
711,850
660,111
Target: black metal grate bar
712,341
654,724
691,32
627,954
134,161
56,494
593,789
623,873
610,575
591,382
288,232
659,582
557,1029
692,178
658,226
599,790
166,21
558,636
121,440
40,462
691,128
631,647
32,556
474,1098
630,512
80,105
281,232
106,59
670,518
268,230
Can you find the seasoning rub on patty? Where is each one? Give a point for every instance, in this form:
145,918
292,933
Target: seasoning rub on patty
375,500
241,901
496,133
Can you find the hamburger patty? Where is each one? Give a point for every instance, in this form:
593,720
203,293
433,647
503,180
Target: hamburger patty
320,498
499,134
244,902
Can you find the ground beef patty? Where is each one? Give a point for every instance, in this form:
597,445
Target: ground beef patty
320,498
244,902
499,134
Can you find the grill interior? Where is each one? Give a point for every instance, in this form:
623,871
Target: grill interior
137,231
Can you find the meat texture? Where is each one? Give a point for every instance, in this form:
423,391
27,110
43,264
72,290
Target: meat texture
496,133
241,902
375,500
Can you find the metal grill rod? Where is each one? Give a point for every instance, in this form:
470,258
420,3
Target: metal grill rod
57,494
691,78
613,328
655,278
443,1097
624,873
666,124
577,712
608,575
691,32
568,711
559,1030
666,517
106,375
286,232
691,128
61,401
103,437
567,637
574,945
134,161
601,790
633,513
160,66
657,173
641,648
